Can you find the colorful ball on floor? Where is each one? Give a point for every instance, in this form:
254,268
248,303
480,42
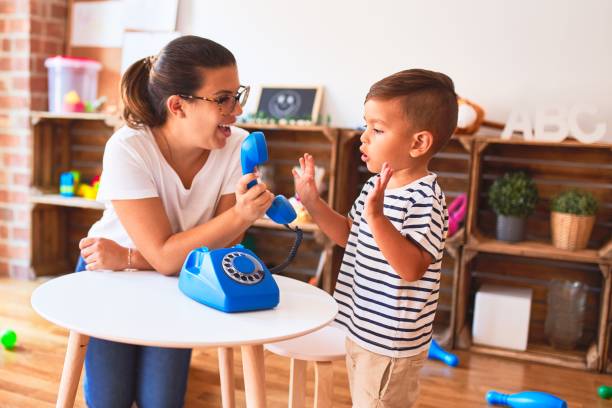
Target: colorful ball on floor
9,339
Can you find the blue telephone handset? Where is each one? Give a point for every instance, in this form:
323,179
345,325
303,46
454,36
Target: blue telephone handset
255,152
235,279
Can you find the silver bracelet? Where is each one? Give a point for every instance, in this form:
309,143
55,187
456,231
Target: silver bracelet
129,263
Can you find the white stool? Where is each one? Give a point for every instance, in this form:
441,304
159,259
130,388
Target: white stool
322,346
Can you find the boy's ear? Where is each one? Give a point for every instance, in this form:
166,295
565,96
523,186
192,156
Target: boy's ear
174,105
421,143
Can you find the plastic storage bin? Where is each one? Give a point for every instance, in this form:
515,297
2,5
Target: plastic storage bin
68,75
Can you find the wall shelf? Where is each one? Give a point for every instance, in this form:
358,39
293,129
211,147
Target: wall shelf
532,263
59,200
111,120
535,249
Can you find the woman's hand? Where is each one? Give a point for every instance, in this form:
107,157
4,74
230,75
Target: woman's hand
305,186
374,205
102,253
252,203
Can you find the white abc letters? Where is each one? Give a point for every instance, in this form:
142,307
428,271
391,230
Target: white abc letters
550,124
600,128
518,121
554,124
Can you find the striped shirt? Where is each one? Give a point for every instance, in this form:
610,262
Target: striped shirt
378,309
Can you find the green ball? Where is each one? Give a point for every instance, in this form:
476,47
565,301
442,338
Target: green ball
605,392
9,339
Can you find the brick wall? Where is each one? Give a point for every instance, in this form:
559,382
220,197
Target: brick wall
30,31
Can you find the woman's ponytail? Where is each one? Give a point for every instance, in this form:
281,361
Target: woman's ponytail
177,70
138,111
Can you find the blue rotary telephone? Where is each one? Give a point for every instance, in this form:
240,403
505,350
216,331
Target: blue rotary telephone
235,279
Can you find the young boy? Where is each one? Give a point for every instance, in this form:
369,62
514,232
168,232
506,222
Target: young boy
388,285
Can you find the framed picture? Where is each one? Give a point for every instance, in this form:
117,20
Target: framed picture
290,102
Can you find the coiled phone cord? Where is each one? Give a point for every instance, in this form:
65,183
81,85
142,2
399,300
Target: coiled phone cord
292,253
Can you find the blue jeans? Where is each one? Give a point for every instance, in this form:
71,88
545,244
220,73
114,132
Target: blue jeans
118,374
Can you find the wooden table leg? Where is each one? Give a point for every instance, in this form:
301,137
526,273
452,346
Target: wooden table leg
297,384
254,376
73,366
226,374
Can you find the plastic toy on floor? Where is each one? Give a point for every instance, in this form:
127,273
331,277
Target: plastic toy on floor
456,213
604,392
438,353
527,399
235,279
9,339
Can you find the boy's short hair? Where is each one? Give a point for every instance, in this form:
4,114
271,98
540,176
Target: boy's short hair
428,98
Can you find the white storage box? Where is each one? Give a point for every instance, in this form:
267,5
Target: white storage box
68,74
501,317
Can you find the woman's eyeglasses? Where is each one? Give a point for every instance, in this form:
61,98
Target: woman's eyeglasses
226,103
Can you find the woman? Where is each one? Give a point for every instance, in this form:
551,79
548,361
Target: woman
172,182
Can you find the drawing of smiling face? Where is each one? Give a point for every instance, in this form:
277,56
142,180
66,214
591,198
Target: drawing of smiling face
285,103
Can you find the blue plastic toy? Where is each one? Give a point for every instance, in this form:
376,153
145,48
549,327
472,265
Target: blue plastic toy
527,399
438,353
235,279
67,184
255,152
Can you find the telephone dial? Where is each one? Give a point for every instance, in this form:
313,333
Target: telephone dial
235,279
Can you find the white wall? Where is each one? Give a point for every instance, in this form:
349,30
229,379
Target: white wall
501,54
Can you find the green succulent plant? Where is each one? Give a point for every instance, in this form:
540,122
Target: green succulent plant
575,202
513,194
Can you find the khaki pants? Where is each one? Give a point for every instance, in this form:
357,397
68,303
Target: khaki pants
378,381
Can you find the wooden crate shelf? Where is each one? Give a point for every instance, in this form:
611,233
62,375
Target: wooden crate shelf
555,167
503,269
110,120
286,144
75,141
536,249
267,223
67,142
540,353
56,231
532,263
63,142
472,257
59,200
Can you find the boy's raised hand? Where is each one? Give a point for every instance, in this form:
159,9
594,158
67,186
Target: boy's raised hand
374,205
305,186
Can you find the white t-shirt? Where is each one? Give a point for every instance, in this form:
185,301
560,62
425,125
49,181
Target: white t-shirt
133,168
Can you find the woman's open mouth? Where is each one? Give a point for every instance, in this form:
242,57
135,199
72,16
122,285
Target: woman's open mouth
225,129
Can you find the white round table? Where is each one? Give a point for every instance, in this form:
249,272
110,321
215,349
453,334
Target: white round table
147,308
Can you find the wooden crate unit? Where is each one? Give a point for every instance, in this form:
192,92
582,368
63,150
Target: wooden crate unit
532,263
286,144
63,142
452,165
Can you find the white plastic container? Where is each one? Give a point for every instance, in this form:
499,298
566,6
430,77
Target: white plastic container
501,317
68,74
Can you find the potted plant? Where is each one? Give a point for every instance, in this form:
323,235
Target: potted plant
513,197
572,218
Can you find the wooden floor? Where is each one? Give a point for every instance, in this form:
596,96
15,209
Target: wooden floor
29,375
